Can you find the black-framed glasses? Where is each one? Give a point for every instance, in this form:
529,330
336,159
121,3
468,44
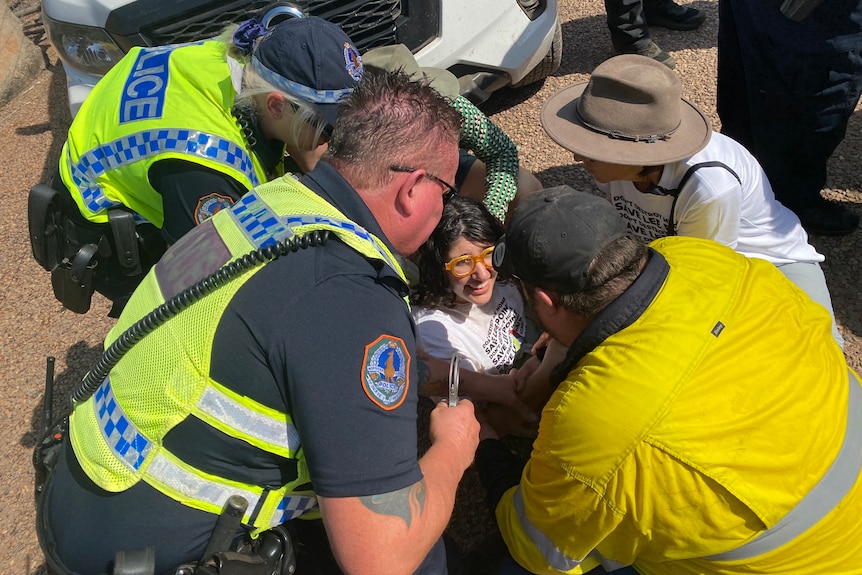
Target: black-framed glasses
451,191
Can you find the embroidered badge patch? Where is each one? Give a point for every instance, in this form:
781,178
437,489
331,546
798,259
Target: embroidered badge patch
353,63
209,205
385,370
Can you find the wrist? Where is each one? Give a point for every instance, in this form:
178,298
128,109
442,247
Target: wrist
487,432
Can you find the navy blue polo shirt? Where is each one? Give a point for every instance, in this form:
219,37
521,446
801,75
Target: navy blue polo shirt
319,331
323,333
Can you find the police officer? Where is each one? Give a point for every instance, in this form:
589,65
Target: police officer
293,385
173,134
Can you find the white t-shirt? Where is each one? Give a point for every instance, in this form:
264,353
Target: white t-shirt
714,205
486,338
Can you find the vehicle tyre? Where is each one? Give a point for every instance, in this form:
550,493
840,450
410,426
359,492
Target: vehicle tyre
549,64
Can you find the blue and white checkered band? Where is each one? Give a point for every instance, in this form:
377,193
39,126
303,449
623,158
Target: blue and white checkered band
263,227
140,145
128,444
292,506
295,88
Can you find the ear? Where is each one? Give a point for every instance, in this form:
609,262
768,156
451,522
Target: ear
275,105
407,198
547,298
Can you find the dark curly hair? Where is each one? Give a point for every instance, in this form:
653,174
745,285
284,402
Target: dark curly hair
461,217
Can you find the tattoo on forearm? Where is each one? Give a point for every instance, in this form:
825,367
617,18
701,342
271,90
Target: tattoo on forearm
405,503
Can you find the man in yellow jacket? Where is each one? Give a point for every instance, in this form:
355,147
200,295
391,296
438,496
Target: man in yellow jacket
704,420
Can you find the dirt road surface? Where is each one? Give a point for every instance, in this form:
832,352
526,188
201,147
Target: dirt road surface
33,325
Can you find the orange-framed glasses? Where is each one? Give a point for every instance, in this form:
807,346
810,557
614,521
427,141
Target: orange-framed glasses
462,266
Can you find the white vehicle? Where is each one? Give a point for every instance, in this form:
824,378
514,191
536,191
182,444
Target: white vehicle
487,44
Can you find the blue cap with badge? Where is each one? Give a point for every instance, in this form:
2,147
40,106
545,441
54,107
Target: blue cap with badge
311,59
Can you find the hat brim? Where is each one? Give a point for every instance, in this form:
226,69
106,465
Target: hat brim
328,111
562,125
399,56
443,81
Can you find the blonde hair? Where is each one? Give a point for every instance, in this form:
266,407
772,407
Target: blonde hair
305,113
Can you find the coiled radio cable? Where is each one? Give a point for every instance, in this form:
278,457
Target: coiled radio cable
183,300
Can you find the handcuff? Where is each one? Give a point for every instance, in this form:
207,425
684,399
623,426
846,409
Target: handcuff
454,377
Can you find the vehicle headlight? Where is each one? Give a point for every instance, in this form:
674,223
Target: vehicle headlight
85,48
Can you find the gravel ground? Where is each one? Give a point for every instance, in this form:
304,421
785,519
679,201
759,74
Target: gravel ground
33,325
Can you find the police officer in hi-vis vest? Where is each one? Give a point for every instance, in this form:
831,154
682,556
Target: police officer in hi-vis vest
293,385
173,134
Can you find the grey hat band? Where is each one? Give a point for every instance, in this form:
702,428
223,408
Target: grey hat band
617,135
295,88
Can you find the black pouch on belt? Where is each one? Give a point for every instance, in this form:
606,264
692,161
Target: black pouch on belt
125,240
44,219
72,280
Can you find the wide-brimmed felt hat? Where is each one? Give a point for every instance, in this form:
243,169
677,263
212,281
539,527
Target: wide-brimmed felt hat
311,59
630,112
397,56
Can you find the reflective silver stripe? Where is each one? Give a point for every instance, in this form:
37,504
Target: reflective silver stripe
131,447
271,430
555,558
263,227
823,498
195,488
140,145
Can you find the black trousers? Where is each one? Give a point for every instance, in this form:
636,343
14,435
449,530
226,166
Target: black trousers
786,90
627,23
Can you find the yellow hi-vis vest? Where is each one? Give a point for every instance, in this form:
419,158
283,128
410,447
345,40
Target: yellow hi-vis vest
117,433
156,103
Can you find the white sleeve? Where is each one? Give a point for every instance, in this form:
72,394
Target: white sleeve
709,207
438,337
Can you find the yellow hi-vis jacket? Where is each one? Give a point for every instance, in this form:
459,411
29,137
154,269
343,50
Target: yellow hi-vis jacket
117,433
719,433
156,103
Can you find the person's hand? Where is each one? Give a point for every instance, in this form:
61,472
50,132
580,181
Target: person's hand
498,421
534,386
456,428
506,392
306,159
541,342
523,373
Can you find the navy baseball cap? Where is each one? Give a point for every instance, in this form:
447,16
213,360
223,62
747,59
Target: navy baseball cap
311,59
553,236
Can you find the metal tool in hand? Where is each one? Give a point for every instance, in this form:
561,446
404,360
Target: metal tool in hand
454,377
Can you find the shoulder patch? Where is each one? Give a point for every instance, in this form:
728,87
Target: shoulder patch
385,371
209,205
